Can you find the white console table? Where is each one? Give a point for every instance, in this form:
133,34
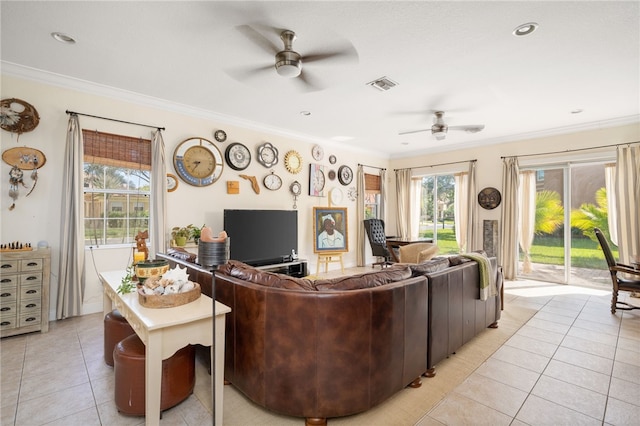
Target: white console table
164,331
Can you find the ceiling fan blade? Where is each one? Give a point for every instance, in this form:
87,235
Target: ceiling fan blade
414,131
257,38
307,82
345,54
472,128
247,73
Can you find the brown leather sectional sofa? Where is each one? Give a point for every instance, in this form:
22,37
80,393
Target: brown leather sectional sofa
329,348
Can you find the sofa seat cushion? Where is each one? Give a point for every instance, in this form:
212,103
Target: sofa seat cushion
430,266
245,272
388,275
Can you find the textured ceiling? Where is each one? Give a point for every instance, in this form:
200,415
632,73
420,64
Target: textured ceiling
460,57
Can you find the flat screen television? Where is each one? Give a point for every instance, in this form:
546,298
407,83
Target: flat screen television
261,237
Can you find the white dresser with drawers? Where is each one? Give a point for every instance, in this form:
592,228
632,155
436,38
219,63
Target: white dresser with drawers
24,291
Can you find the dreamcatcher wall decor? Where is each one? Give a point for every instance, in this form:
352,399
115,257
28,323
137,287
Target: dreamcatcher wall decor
20,159
18,116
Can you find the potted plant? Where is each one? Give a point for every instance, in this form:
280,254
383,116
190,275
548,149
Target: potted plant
195,233
181,234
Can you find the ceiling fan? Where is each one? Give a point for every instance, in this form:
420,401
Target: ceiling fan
440,128
289,63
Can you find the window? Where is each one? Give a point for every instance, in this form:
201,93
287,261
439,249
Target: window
117,176
437,211
371,196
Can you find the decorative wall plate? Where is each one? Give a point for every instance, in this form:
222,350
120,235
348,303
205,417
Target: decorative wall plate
267,155
238,156
198,161
332,159
332,174
335,195
489,198
18,116
293,162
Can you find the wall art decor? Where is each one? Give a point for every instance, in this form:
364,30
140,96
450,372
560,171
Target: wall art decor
330,229
22,158
316,180
18,116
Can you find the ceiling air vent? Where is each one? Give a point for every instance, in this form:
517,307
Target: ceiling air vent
383,84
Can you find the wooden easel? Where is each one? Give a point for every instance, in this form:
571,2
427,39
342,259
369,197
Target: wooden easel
327,258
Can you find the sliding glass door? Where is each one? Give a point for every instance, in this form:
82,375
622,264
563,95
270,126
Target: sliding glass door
562,204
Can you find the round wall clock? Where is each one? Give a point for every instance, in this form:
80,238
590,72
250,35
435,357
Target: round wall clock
198,161
267,155
238,156
220,135
172,182
489,198
352,193
332,159
296,188
293,162
317,152
345,175
272,181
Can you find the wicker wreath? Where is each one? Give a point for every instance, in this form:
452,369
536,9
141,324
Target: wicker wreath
18,116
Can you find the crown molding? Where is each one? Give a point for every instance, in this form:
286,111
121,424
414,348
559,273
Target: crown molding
91,88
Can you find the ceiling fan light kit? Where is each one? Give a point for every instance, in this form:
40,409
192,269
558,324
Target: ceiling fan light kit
288,62
439,129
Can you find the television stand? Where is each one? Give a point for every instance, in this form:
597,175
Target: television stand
296,268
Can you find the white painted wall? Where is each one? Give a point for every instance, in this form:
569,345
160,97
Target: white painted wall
37,217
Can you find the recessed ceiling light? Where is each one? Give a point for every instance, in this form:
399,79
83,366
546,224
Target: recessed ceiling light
525,29
63,38
305,113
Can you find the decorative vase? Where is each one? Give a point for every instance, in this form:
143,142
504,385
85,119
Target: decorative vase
181,241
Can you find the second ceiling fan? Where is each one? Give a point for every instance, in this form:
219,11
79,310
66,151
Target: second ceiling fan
440,128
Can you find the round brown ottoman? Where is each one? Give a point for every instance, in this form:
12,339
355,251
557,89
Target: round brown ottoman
178,376
116,328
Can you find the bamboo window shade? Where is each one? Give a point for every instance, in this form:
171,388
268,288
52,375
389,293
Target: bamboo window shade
372,183
116,150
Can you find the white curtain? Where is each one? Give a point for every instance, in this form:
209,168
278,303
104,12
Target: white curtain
71,271
383,195
361,236
508,253
465,209
460,209
472,214
527,215
628,199
158,232
416,195
610,186
403,190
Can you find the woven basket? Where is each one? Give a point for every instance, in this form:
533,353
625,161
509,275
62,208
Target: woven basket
169,300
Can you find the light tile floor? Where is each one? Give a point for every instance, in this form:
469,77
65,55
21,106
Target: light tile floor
558,357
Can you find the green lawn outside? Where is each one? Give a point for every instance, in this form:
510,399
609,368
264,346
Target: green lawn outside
546,250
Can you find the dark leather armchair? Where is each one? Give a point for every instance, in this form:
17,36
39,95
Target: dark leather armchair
619,283
378,241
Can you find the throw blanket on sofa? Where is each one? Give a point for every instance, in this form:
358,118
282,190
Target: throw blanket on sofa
487,280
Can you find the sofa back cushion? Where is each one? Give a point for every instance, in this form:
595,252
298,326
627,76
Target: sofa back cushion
367,280
430,266
248,273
